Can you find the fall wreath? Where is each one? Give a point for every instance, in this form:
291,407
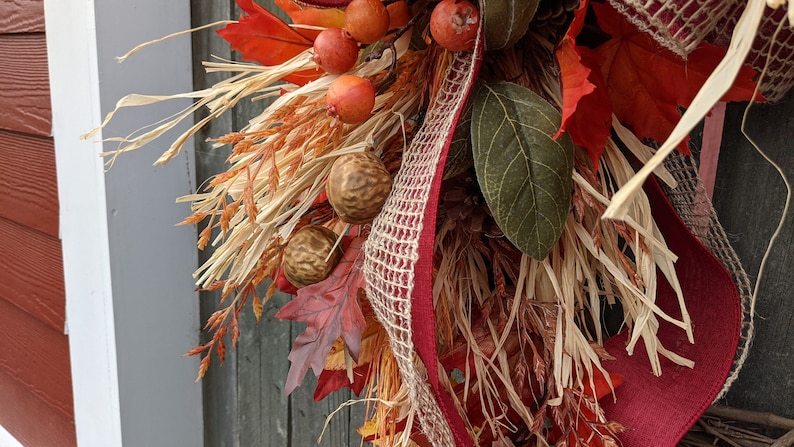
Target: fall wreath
450,191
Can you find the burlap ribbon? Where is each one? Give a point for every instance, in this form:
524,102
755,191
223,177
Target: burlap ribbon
660,410
399,256
398,270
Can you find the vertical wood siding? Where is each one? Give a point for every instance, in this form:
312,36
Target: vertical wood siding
244,401
35,378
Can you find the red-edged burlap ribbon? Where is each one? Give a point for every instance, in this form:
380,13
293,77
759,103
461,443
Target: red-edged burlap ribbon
399,265
399,255
657,410
660,410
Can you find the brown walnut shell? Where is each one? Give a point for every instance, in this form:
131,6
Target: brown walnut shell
357,187
304,257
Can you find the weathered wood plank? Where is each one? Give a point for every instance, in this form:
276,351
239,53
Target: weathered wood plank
24,84
37,356
749,198
307,417
28,182
22,16
31,273
219,386
244,401
30,420
264,408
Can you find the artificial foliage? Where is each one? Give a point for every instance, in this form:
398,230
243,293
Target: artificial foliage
534,126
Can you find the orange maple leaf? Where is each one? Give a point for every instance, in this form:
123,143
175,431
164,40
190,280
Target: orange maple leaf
586,111
315,16
647,83
262,37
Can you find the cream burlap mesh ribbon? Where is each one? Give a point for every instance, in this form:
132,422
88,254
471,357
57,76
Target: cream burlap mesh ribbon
391,251
692,203
777,50
679,25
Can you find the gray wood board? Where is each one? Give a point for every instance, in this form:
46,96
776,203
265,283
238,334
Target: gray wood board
749,197
244,401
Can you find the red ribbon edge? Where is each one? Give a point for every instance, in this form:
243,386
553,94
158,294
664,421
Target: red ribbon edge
422,311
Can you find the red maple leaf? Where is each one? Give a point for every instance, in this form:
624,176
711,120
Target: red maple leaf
332,380
331,309
586,111
262,37
647,83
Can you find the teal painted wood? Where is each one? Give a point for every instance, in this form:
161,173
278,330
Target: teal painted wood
244,401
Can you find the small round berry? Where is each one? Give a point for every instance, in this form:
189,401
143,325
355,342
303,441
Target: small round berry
335,51
367,20
351,98
454,23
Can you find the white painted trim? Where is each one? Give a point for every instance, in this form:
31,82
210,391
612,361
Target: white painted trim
74,88
131,309
7,439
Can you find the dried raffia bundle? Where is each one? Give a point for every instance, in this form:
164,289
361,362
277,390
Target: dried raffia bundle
472,306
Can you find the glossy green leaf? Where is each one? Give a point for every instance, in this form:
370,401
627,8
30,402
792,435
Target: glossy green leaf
525,175
506,21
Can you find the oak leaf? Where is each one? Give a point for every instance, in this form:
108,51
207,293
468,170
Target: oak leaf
648,84
331,310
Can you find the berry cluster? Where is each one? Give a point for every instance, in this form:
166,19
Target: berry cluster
453,25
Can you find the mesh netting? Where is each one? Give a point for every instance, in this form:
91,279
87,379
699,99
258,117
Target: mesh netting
692,203
681,25
778,50
391,251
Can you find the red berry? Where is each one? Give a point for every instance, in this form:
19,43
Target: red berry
367,20
454,24
335,51
351,99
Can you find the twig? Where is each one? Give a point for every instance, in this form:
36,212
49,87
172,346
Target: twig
786,440
713,431
754,417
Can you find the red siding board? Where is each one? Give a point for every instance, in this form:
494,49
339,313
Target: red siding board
31,273
24,84
37,356
32,421
21,16
28,186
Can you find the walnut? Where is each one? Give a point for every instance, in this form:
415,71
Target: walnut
304,257
357,187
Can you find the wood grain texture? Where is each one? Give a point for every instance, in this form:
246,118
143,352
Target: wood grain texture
28,182
31,273
749,197
24,84
22,16
32,421
219,385
244,401
37,356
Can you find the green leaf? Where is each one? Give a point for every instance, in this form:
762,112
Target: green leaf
525,175
459,157
506,21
